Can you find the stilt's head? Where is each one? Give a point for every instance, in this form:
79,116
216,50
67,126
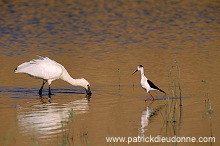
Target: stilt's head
139,67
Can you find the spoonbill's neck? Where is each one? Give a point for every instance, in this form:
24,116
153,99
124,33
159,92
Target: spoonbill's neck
75,82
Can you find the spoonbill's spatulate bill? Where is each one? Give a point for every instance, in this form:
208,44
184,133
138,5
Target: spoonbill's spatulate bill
145,83
49,70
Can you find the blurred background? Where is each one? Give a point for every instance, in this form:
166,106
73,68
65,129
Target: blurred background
104,41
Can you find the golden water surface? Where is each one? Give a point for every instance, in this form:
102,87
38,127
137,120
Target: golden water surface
104,41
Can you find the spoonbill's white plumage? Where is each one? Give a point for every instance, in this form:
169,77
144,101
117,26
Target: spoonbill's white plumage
145,83
49,70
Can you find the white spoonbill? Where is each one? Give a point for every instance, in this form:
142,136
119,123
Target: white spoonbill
145,83
49,70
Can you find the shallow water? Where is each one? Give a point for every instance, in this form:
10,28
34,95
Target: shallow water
104,41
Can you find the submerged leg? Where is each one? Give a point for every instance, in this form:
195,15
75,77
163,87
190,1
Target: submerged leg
148,104
40,91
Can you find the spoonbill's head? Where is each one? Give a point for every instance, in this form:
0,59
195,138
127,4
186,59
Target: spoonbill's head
139,67
86,85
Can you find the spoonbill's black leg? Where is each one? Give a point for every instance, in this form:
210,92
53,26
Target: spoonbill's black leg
40,91
49,92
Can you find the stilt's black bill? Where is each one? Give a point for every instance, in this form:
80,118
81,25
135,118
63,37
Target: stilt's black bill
134,72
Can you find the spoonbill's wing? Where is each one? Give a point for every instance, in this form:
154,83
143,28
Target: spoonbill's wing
43,58
43,68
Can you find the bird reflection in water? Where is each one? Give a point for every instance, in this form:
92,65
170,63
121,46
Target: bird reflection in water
145,118
146,115
44,120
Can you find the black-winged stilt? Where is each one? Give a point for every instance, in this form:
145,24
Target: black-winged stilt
145,83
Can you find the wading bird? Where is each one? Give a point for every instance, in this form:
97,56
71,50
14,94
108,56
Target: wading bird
49,70
145,83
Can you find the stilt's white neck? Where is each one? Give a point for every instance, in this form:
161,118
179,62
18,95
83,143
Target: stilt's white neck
142,73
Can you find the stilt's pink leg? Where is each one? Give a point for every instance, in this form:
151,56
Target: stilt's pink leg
151,96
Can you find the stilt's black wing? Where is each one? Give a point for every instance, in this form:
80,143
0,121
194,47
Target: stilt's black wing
154,86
